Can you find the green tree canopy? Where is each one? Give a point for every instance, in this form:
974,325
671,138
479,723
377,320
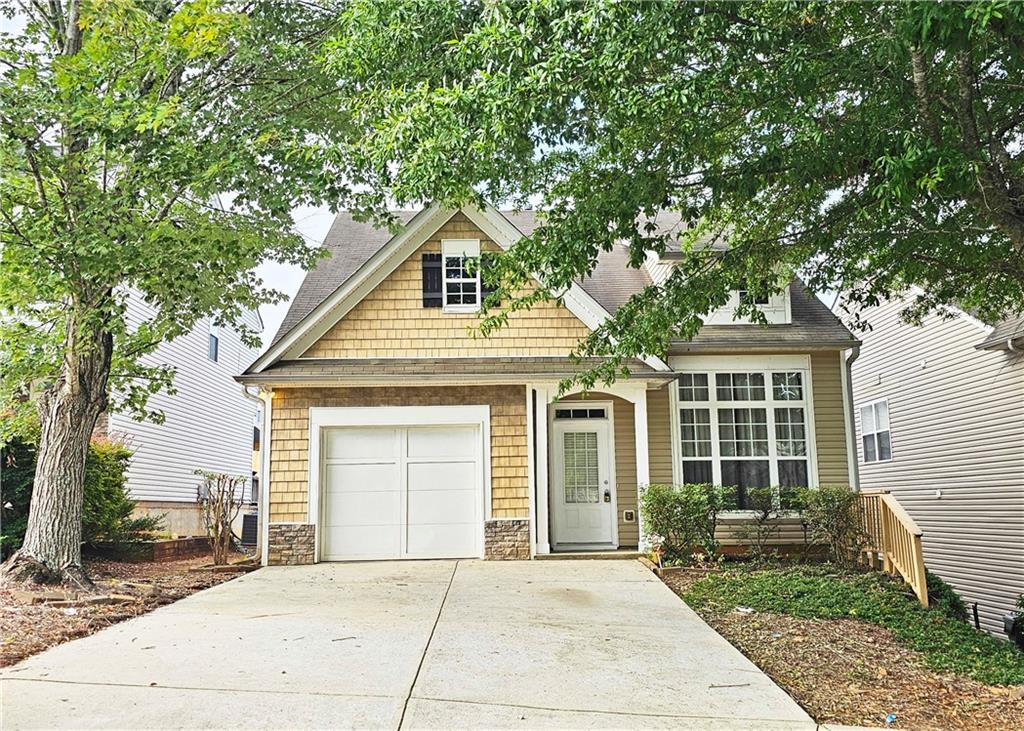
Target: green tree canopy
872,147
149,148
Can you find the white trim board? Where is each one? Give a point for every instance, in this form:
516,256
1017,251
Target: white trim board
388,258
325,417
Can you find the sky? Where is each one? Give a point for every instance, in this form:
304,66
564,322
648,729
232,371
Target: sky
312,224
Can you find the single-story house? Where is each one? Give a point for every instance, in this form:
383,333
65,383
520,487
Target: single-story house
396,431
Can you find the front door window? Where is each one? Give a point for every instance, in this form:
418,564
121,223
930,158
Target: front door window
582,482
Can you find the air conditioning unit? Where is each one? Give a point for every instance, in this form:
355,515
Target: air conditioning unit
250,529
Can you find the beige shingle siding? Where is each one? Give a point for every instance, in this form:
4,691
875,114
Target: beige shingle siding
391,322
829,418
289,449
957,424
624,431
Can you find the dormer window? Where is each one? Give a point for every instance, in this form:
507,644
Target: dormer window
461,278
774,307
746,298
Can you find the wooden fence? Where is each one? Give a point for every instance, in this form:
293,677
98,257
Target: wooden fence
894,540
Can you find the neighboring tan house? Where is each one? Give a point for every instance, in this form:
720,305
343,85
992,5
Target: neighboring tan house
940,415
208,421
397,432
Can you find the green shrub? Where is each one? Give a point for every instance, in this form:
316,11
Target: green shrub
942,596
681,518
106,509
828,592
759,530
832,515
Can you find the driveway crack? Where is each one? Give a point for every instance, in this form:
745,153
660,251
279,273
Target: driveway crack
426,647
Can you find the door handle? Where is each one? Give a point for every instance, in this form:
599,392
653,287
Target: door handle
607,496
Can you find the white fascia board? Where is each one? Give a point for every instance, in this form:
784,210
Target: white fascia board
355,288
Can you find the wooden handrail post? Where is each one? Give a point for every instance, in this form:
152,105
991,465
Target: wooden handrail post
922,579
886,539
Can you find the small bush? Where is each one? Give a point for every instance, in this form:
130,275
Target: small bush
833,518
681,518
941,596
106,508
759,530
221,498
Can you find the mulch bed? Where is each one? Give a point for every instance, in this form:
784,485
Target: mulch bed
27,628
850,672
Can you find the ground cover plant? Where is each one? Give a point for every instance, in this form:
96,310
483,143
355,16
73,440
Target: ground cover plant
946,643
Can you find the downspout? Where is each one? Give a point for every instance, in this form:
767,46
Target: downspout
851,431
263,506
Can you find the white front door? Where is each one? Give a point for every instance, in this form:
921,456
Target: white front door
582,489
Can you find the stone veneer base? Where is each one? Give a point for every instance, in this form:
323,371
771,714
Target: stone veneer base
507,539
291,544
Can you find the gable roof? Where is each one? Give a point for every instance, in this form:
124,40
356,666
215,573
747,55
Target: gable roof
370,262
352,244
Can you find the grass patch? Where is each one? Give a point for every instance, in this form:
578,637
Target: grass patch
826,592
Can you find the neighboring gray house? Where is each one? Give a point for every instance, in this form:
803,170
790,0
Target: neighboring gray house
209,421
940,423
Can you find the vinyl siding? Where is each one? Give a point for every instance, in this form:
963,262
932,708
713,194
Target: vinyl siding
659,436
829,418
208,423
957,426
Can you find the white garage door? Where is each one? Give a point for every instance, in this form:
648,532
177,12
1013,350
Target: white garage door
401,492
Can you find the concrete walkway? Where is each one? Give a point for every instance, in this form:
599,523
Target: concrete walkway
438,644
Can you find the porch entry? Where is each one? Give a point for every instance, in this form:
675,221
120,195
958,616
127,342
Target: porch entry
582,478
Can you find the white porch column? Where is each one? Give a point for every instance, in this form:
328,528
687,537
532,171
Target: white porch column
542,491
638,396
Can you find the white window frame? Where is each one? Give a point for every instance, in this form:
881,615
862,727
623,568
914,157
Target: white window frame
767,365
464,249
873,405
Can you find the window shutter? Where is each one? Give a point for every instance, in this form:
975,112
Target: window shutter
486,262
433,281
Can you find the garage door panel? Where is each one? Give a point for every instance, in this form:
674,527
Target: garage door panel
442,441
363,541
433,476
444,506
361,444
442,541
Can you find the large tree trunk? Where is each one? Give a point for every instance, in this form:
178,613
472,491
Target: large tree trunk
52,551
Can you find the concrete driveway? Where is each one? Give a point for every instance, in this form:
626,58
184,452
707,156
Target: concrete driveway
438,644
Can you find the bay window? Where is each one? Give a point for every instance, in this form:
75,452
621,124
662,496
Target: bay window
744,429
